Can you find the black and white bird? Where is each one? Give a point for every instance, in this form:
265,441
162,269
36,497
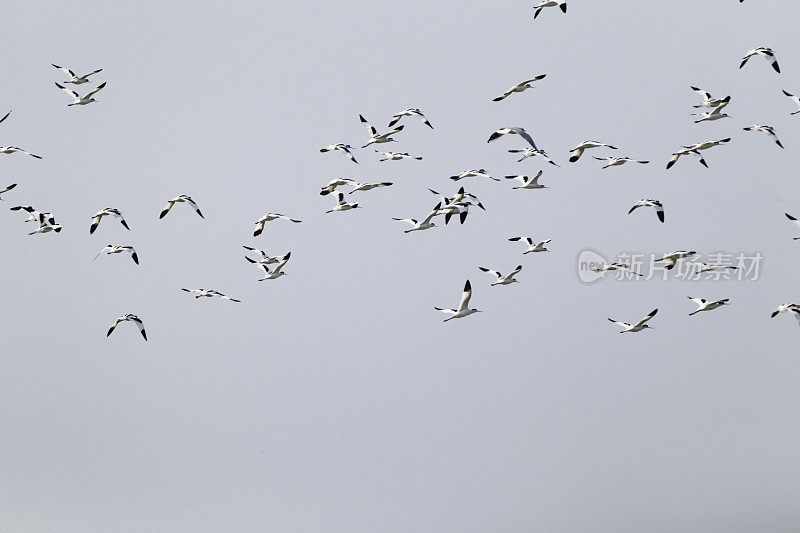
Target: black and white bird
792,97
459,196
616,161
267,218
615,266
33,214
648,202
7,189
549,3
638,326
410,112
704,305
128,318
686,151
528,183
532,152
474,173
577,152
672,258
358,186
501,279
766,53
396,156
81,100
715,113
708,100
532,247
74,78
275,272
793,309
5,117
463,306
106,212
209,293
706,267
796,223
341,205
12,149
114,249
47,223
180,199
266,259
375,137
769,130
513,131
518,88
344,148
460,208
420,225
331,186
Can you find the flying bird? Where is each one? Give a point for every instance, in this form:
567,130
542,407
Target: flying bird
209,293
375,137
411,111
508,279
331,186
128,318
792,97
344,148
647,202
532,248
790,217
474,173
708,100
47,223
81,100
105,212
766,53
686,151
459,196
616,266
532,152
463,306
793,309
672,258
7,189
577,152
616,161
706,267
357,186
179,199
112,249
639,326
518,88
12,149
75,79
274,273
549,3
512,131
528,183
715,114
704,305
33,214
268,217
425,223
396,156
766,129
5,117
341,205
265,258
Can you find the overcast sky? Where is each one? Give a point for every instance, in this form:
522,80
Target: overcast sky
334,398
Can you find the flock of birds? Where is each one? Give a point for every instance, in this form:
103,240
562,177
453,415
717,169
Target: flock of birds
457,204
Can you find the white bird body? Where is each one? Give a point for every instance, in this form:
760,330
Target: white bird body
793,309
769,130
473,173
268,217
274,273
358,186
513,131
265,258
704,305
344,148
331,186
33,214
549,3
705,267
106,212
686,151
792,97
616,266
708,100
396,156
209,293
672,258
341,205
81,100
12,149
128,318
500,279
375,137
616,161
115,249
420,225
532,152
463,306
638,326
764,52
532,247
528,183
410,112
518,88
180,199
648,202
577,152
74,78
715,114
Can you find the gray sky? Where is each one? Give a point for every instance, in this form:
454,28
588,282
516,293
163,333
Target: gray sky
334,399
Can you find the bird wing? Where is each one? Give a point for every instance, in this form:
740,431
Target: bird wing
495,273
69,91
139,323
64,70
648,317
193,204
370,127
98,89
167,208
465,296
5,117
